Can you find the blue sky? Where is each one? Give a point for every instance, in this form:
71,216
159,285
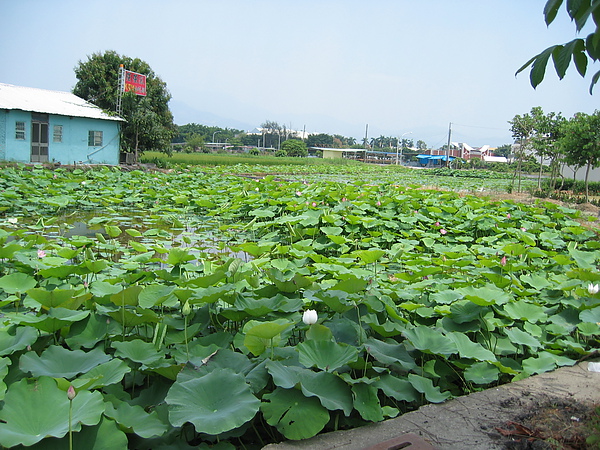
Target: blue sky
333,66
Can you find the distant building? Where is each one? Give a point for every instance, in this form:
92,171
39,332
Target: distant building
37,125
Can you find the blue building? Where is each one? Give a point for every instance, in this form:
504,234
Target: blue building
37,126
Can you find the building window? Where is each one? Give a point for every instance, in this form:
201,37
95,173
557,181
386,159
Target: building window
20,130
57,134
95,139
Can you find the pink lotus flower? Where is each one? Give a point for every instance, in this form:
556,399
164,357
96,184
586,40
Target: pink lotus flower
41,253
508,216
443,231
298,193
378,203
437,224
314,204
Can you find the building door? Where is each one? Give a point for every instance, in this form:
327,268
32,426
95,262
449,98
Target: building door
39,137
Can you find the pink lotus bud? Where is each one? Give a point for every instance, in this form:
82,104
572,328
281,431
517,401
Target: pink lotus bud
503,261
378,203
437,224
314,204
508,216
71,394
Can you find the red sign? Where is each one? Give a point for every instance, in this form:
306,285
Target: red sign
135,82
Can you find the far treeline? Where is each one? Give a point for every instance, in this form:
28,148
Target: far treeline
272,134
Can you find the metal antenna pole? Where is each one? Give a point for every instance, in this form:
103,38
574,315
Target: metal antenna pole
448,148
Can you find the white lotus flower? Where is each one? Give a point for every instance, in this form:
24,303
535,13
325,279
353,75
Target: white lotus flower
592,288
309,317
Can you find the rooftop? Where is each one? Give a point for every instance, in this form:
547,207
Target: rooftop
49,102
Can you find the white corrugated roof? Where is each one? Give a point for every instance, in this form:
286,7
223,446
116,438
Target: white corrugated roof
49,102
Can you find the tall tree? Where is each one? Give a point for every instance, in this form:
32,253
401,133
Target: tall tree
579,50
580,140
149,123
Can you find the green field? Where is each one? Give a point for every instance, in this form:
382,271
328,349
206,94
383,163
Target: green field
167,309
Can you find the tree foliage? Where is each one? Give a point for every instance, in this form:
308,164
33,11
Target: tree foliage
294,147
579,50
580,142
149,123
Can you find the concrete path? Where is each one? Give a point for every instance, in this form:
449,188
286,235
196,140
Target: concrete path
466,422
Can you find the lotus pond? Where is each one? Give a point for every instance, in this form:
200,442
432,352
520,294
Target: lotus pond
165,310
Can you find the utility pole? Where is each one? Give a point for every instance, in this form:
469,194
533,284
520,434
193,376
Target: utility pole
448,147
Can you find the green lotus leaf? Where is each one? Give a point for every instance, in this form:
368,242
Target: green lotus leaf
366,402
482,373
129,318
213,294
214,403
60,362
544,362
521,337
284,376
524,310
429,340
112,231
262,335
4,363
369,256
36,409
262,306
485,296
332,392
326,355
155,294
590,315
397,388
425,386
105,436
128,296
56,319
466,311
294,415
138,351
469,349
134,417
17,283
319,332
102,375
390,352
65,298
14,339
103,288
87,333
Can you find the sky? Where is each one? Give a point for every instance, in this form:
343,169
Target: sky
393,67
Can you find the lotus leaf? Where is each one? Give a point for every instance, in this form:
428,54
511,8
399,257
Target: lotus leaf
35,409
214,403
326,355
294,415
366,402
14,339
331,391
134,417
60,362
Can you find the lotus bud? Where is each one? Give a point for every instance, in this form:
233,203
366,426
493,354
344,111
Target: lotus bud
186,310
593,288
309,317
503,260
71,393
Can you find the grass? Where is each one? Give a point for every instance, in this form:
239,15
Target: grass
214,159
